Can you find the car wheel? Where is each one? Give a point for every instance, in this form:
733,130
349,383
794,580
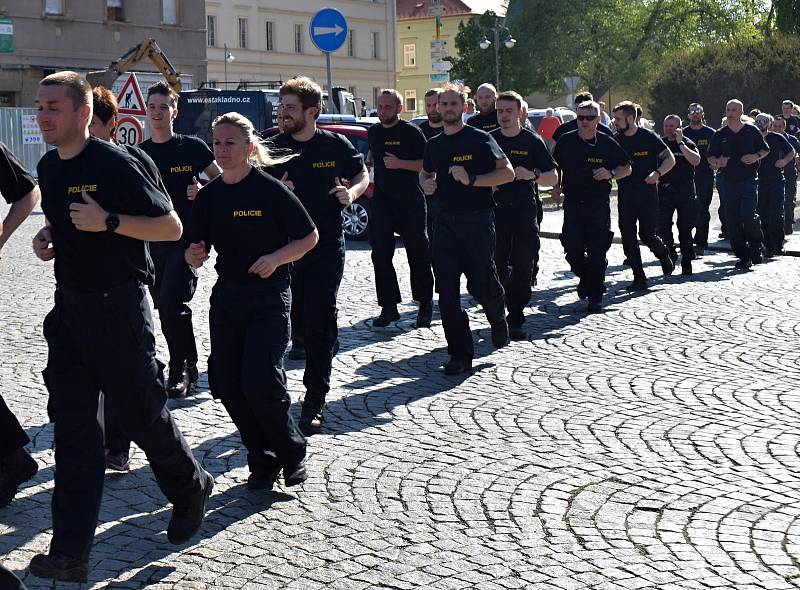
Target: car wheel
355,219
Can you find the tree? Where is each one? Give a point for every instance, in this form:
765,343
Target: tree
787,14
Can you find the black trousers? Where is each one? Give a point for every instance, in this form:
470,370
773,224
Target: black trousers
249,333
681,199
517,246
465,244
741,217
586,236
723,218
539,219
174,287
403,214
771,209
315,287
105,341
12,436
639,206
789,204
704,189
116,440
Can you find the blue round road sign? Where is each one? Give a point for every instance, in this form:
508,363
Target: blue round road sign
328,30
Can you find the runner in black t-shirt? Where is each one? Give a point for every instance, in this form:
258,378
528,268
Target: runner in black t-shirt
516,214
180,159
318,176
103,209
257,227
792,120
398,206
588,161
736,149
637,195
19,190
771,185
486,117
462,165
701,135
676,192
790,174
430,129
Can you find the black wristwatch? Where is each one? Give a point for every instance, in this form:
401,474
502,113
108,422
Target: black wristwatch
112,222
472,178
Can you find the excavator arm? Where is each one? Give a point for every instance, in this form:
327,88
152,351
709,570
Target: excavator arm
147,48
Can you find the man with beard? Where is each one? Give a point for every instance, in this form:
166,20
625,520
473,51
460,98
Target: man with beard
771,193
462,165
398,206
326,163
516,211
701,134
676,193
737,148
486,119
637,199
431,128
790,174
589,161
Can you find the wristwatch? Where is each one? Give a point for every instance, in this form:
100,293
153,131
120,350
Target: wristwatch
472,178
112,222
536,174
613,172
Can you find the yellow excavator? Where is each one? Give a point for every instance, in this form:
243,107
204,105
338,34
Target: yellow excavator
147,48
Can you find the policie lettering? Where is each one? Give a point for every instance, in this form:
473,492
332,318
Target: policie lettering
89,188
464,158
248,213
174,169
328,164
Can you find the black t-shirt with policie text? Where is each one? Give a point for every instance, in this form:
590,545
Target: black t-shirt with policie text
90,262
403,140
322,159
579,158
485,122
572,125
178,160
702,139
726,143
793,125
246,220
471,148
429,131
643,149
524,149
779,146
681,176
15,180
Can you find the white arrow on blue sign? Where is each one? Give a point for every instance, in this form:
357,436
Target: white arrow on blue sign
328,30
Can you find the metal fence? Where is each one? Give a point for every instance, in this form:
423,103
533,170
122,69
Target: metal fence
16,132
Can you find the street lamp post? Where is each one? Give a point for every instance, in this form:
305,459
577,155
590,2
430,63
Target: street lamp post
228,57
508,41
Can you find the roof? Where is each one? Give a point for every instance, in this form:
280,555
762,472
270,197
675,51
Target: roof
417,9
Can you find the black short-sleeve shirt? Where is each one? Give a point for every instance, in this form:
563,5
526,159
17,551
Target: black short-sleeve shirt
89,262
178,160
793,125
643,149
405,141
726,143
702,139
322,159
779,146
681,176
429,131
578,159
246,220
571,126
471,148
790,170
15,181
485,122
524,149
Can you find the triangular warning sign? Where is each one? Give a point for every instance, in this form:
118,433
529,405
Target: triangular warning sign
130,99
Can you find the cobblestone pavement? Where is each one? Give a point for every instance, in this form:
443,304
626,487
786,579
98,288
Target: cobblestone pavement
651,446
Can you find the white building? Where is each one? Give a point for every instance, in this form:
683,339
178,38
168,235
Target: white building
268,40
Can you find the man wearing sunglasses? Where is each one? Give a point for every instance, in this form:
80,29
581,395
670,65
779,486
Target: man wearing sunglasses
637,200
589,161
701,134
790,174
771,182
737,148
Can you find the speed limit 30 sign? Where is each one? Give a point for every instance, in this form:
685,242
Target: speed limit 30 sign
129,131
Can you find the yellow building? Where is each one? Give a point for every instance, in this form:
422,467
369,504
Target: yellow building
416,29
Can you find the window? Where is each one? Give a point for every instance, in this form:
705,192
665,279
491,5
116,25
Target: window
298,38
411,101
114,10
169,12
351,44
242,33
54,7
270,31
409,55
211,25
375,42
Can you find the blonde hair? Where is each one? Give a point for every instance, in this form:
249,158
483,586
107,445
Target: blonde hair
260,156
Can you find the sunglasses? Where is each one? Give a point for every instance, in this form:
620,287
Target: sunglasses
587,117
762,122
695,112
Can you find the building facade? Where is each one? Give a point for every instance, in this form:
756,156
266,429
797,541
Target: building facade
269,41
38,37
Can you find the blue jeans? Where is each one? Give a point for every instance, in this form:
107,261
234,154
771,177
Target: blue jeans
741,217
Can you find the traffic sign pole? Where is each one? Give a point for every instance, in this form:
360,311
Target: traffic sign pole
330,81
328,32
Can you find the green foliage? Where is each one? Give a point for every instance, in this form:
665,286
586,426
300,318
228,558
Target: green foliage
760,72
787,13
